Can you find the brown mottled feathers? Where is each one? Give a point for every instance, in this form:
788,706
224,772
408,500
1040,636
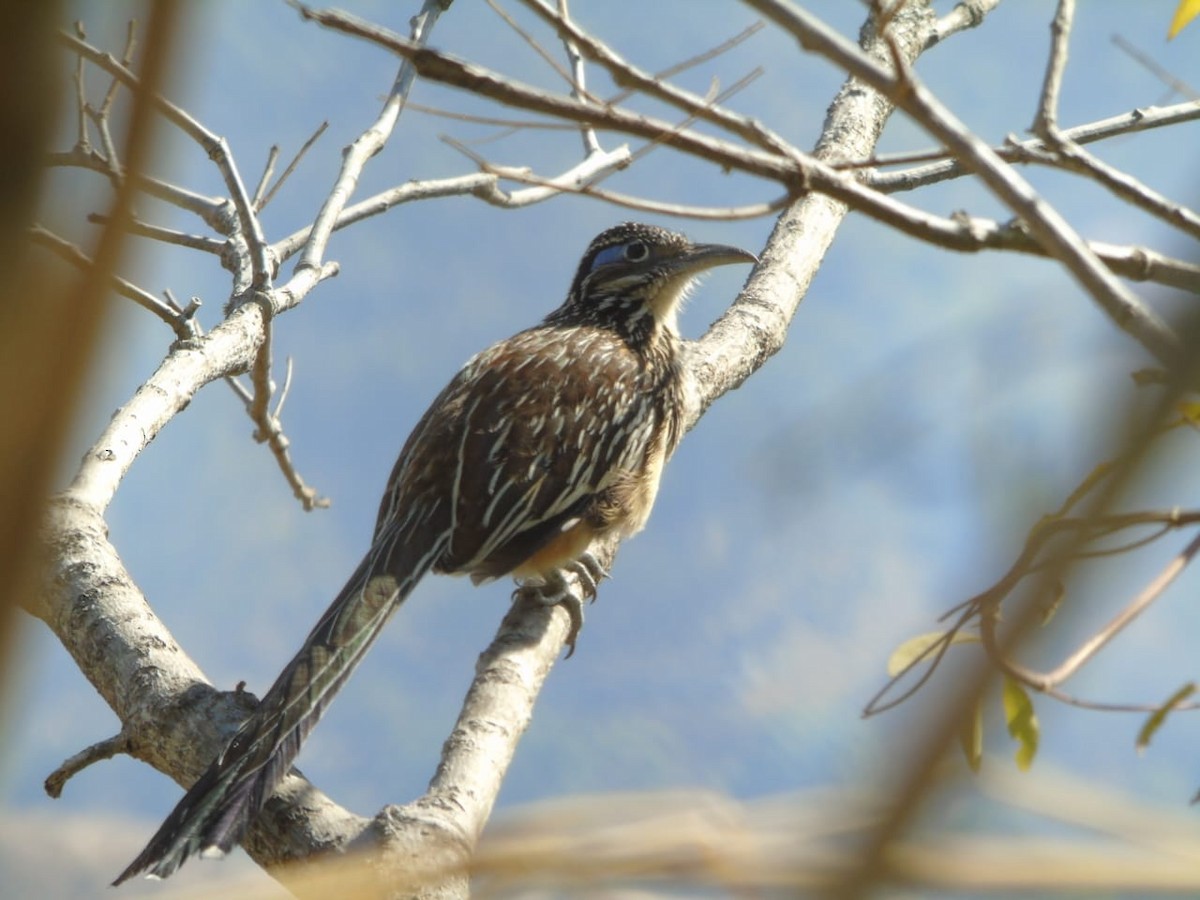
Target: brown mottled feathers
539,445
542,441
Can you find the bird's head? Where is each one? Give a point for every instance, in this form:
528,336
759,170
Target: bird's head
635,276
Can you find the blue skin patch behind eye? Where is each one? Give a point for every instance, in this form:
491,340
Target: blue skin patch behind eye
609,255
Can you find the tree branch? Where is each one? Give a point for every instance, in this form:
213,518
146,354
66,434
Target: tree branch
1043,221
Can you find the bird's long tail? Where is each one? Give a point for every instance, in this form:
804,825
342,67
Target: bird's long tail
215,813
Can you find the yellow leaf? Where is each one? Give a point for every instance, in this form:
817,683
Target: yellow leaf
970,737
1022,722
1155,720
1190,409
921,647
1184,13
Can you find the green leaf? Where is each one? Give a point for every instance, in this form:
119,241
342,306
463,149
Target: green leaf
916,647
1155,720
1022,722
970,737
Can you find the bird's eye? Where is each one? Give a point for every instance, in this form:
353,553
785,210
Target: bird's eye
633,251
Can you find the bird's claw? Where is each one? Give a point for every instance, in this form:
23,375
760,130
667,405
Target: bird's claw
590,573
555,590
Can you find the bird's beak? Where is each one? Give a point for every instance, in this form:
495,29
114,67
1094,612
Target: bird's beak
684,269
699,257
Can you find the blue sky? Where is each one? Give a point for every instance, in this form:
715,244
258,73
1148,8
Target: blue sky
883,467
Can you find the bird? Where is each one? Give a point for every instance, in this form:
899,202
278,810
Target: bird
542,444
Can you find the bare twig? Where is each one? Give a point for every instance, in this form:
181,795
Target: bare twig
594,167
712,52
578,88
268,170
687,211
311,265
291,166
1044,222
561,185
1069,154
1122,185
1176,84
214,211
72,254
98,752
481,184
168,235
214,146
1049,680
1046,120
966,14
1142,119
447,69
188,312
509,125
629,76
930,657
1062,696
591,144
379,203
1134,263
82,142
285,390
269,429
368,143
110,95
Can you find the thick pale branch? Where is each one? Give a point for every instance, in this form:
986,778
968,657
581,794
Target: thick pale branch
227,349
755,326
172,717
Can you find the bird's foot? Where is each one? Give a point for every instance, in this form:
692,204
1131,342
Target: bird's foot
589,572
555,590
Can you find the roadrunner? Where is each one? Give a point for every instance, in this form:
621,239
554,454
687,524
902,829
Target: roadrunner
542,444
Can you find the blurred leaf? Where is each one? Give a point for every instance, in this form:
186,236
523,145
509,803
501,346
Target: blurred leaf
970,737
1184,13
1022,722
1148,376
1155,720
1190,410
914,648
